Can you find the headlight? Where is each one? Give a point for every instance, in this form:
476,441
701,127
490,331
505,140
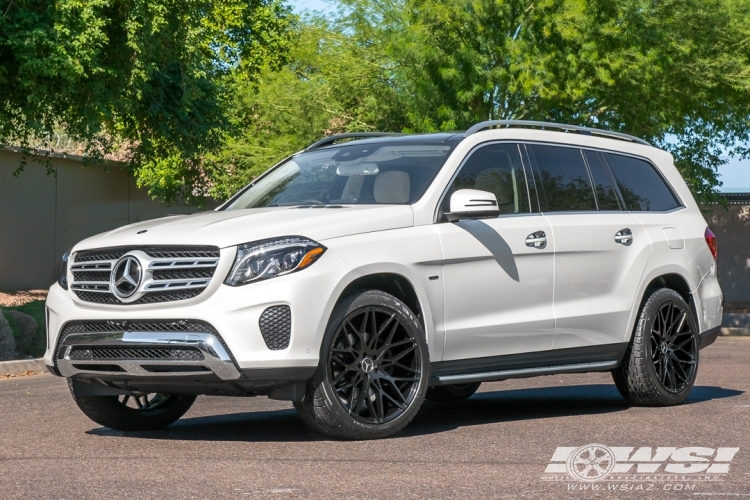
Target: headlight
262,260
62,279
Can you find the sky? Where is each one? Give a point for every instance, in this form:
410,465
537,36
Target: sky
300,6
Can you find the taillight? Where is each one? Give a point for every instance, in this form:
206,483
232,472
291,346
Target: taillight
711,242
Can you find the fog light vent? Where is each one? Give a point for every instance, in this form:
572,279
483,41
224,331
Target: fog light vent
276,327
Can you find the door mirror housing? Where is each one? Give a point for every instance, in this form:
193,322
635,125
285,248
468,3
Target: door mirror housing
472,204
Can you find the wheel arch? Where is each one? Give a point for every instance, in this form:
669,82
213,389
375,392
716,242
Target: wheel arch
673,279
392,283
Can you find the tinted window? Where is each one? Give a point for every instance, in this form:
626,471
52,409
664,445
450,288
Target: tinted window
642,188
605,192
496,168
564,179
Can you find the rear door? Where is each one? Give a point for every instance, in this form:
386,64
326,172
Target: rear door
601,250
498,285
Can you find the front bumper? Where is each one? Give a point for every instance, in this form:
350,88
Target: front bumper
145,354
232,349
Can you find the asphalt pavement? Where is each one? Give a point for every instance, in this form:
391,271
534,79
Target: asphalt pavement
498,444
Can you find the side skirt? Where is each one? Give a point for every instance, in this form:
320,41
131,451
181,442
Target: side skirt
573,360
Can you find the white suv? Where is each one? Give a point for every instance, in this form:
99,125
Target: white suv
358,277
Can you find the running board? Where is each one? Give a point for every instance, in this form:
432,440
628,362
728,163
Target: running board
523,373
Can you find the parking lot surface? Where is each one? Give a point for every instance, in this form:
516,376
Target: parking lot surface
498,444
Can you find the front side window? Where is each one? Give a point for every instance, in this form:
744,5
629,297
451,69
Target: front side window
495,168
563,178
641,186
381,173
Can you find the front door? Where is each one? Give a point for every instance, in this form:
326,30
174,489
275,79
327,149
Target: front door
498,272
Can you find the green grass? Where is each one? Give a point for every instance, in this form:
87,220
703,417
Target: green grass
34,309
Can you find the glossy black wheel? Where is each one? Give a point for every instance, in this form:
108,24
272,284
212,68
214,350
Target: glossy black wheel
374,365
373,369
661,362
136,412
674,351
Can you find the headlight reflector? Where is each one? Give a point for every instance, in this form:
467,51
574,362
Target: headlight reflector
265,259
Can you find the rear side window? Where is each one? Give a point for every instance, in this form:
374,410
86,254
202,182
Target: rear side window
564,179
641,186
605,191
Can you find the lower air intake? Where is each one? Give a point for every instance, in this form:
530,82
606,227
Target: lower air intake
135,353
276,327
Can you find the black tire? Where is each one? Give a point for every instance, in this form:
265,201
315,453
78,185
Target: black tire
661,361
455,392
398,370
118,412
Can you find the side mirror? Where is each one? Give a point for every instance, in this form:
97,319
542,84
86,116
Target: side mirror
472,204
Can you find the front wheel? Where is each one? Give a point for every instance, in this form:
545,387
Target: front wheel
661,362
373,370
137,412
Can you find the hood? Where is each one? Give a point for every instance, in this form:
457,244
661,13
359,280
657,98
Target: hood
224,229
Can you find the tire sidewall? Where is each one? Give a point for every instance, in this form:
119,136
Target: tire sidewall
653,305
360,300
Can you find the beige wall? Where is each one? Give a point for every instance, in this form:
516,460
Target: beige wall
42,216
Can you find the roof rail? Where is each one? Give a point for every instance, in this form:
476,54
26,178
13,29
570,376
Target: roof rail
567,128
327,141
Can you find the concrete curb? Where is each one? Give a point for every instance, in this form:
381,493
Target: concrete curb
22,365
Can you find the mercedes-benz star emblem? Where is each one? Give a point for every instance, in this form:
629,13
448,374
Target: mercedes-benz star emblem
126,277
368,365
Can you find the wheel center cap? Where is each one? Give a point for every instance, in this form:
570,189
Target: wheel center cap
664,347
368,365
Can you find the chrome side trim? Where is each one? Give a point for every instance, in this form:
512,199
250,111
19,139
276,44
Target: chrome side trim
216,358
523,372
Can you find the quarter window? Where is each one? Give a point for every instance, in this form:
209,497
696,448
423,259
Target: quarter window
641,186
495,168
605,191
564,179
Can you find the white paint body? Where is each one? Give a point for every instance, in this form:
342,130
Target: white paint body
581,290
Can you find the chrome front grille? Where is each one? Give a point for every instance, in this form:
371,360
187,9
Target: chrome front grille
166,274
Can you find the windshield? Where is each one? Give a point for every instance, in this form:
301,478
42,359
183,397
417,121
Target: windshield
358,174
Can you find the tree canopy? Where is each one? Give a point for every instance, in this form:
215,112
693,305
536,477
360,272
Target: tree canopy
209,94
146,76
333,83
674,72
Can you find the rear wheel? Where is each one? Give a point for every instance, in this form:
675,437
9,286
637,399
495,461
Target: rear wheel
455,392
136,412
661,362
373,370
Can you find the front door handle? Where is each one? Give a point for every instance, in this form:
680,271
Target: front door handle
624,237
537,240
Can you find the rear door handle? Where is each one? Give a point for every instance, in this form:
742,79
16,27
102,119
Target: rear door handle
624,237
537,240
